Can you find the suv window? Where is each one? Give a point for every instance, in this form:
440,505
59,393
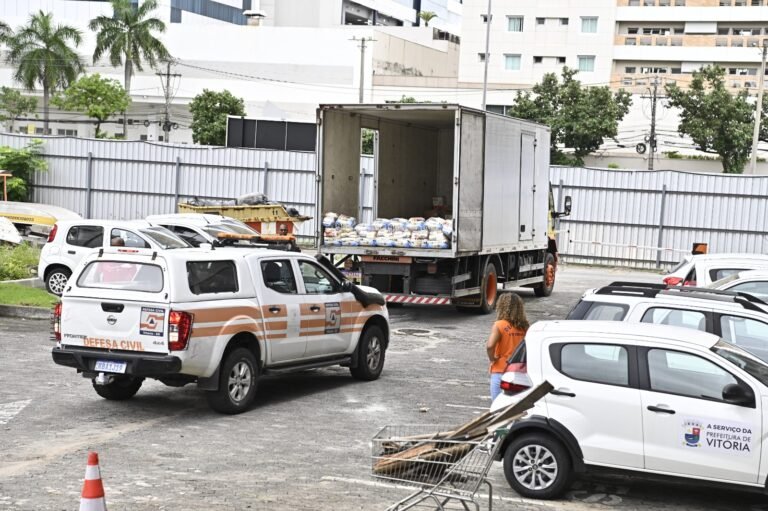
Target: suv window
757,288
316,280
598,363
278,276
684,374
123,238
212,277
676,317
749,334
125,275
721,273
88,236
607,312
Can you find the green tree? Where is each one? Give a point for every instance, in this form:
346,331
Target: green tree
128,37
580,117
366,142
405,99
99,98
14,105
715,119
5,31
427,16
209,115
44,53
23,163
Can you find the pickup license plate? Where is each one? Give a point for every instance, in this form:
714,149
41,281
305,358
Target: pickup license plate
109,366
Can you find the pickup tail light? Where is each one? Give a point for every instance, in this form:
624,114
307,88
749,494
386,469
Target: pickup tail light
179,330
512,388
52,234
673,281
56,322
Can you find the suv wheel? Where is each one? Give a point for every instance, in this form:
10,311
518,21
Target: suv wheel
56,280
121,388
370,355
237,383
537,466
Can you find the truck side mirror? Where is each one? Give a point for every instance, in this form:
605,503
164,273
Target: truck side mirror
567,206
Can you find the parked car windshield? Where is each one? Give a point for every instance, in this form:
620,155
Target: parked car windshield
239,227
743,360
164,238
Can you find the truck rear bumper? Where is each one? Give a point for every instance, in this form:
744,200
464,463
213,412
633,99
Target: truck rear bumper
416,299
138,364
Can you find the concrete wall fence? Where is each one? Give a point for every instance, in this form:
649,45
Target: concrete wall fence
642,219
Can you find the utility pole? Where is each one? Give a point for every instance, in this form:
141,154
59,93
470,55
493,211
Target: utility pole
362,40
652,138
487,50
165,80
758,112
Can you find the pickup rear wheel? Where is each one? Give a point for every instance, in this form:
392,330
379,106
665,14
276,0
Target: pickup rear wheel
121,388
370,355
237,384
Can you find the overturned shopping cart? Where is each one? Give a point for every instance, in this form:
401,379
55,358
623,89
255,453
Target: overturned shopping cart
448,466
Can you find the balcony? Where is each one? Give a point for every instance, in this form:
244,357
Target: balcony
690,41
640,82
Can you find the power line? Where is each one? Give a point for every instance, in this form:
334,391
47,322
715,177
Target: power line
169,94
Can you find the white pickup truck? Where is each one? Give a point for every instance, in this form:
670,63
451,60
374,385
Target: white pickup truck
219,318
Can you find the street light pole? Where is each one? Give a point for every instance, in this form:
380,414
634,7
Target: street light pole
758,112
487,55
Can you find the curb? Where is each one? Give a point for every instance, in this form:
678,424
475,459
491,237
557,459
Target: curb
35,282
24,312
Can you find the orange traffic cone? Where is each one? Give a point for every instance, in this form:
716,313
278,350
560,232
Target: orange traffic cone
92,498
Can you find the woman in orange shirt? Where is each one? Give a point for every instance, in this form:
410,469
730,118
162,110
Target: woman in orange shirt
506,335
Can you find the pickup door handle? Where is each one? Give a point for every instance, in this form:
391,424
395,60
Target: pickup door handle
71,252
274,310
659,409
562,392
112,307
315,308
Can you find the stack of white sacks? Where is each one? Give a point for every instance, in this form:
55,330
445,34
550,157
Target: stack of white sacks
417,232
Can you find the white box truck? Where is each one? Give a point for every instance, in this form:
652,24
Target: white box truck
489,171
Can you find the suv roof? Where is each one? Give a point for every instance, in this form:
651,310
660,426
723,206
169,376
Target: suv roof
718,257
196,254
136,224
641,290
649,331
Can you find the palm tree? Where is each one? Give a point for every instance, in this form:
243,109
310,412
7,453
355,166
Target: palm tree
5,30
42,54
127,36
427,16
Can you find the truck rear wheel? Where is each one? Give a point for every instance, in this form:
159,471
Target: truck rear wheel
120,389
489,289
237,383
548,284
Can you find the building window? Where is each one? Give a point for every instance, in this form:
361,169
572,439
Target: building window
484,17
514,23
512,62
627,81
588,24
756,3
664,3
649,3
680,3
676,70
540,21
632,30
66,133
634,3
586,63
630,41
725,3
630,70
481,57
563,21
538,60
561,60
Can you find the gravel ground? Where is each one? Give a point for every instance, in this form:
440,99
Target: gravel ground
304,445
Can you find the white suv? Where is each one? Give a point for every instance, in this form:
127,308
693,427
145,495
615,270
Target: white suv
70,241
703,269
660,400
739,318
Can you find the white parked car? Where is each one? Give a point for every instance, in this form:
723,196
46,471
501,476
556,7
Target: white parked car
738,318
659,400
217,318
70,241
753,282
703,269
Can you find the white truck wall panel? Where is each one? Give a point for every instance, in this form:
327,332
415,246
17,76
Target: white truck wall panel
469,210
341,162
501,216
541,210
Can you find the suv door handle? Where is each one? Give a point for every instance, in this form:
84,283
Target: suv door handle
315,308
659,409
562,392
274,310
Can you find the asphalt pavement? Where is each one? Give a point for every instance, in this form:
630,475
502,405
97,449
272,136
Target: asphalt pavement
305,444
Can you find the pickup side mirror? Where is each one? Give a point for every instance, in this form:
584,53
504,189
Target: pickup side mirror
736,394
346,286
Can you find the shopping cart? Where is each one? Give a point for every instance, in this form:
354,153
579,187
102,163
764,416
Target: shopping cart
442,469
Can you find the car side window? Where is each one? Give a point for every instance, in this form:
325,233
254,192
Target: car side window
757,288
607,312
278,276
88,236
212,277
675,372
124,238
690,279
749,334
676,317
597,363
316,280
721,273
